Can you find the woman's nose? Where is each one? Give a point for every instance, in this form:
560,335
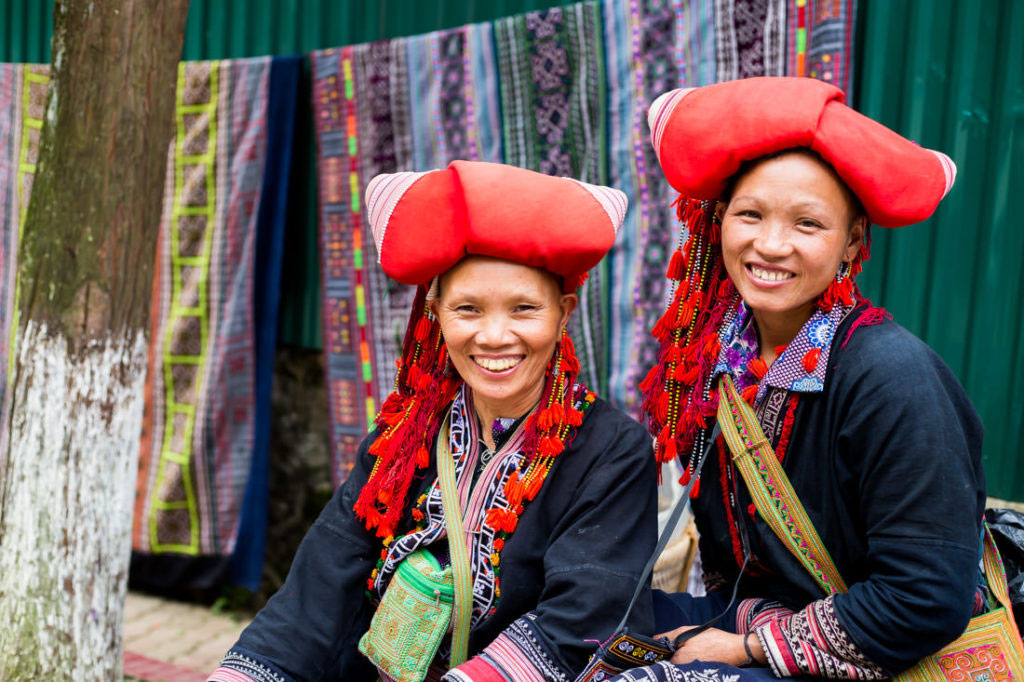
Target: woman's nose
494,331
772,240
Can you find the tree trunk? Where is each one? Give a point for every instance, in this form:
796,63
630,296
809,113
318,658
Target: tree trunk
84,280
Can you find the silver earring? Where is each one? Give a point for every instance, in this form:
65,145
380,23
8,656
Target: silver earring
844,271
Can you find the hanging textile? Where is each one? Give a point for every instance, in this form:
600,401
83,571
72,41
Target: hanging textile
213,320
820,41
22,103
213,327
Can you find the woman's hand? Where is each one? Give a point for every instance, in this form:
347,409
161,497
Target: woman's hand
715,645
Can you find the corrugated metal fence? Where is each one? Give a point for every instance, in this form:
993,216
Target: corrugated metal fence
947,73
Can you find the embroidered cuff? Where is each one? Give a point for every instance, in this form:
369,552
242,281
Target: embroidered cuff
519,654
753,613
223,674
812,642
241,666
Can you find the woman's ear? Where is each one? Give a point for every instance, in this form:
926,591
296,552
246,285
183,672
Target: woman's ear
567,303
857,229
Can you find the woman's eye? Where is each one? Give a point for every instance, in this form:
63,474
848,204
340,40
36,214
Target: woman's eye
465,309
524,308
808,223
749,213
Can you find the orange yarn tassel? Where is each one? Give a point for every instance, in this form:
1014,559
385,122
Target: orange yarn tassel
676,269
810,359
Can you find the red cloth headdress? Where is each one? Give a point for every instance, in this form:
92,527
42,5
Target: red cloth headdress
425,223
702,135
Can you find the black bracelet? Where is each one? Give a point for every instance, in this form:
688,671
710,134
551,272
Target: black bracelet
750,654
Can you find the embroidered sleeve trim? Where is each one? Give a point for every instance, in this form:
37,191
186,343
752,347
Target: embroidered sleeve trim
812,642
223,674
753,613
519,654
242,667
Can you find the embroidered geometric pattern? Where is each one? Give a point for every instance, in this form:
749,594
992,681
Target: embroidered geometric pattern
237,662
489,494
410,622
812,642
667,672
199,428
519,655
770,488
740,345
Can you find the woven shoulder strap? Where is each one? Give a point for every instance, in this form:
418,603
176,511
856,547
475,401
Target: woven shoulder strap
770,488
456,548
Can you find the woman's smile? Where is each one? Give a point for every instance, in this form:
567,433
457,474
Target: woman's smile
501,365
766,275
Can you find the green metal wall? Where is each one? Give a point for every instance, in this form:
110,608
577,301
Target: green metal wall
949,74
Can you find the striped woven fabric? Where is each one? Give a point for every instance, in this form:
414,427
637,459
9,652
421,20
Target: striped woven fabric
771,490
819,41
563,91
198,430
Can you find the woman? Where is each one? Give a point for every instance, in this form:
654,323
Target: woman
878,439
557,488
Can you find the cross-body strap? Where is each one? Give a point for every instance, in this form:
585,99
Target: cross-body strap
769,486
666,533
456,548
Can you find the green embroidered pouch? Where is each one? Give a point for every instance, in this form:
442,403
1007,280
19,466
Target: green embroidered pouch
412,618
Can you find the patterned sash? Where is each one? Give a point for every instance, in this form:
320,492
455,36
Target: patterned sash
770,488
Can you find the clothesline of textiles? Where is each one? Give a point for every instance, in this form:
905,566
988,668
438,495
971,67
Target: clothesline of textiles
562,91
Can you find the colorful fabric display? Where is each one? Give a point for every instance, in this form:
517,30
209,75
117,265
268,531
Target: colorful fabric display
203,460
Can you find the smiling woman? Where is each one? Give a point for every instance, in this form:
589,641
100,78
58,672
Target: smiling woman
489,422
868,561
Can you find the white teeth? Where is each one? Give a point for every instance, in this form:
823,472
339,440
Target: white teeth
770,275
497,365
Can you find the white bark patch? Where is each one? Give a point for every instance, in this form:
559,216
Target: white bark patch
66,508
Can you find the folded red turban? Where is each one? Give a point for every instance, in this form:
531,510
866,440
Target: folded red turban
425,223
702,135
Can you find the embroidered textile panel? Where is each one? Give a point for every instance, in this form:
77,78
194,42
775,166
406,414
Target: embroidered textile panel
819,41
197,440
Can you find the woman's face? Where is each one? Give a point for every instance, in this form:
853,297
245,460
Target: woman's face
501,321
785,232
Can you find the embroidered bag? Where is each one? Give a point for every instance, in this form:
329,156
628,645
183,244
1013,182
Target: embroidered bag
422,601
990,648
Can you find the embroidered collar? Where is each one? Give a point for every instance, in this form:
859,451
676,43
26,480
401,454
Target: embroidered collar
803,363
